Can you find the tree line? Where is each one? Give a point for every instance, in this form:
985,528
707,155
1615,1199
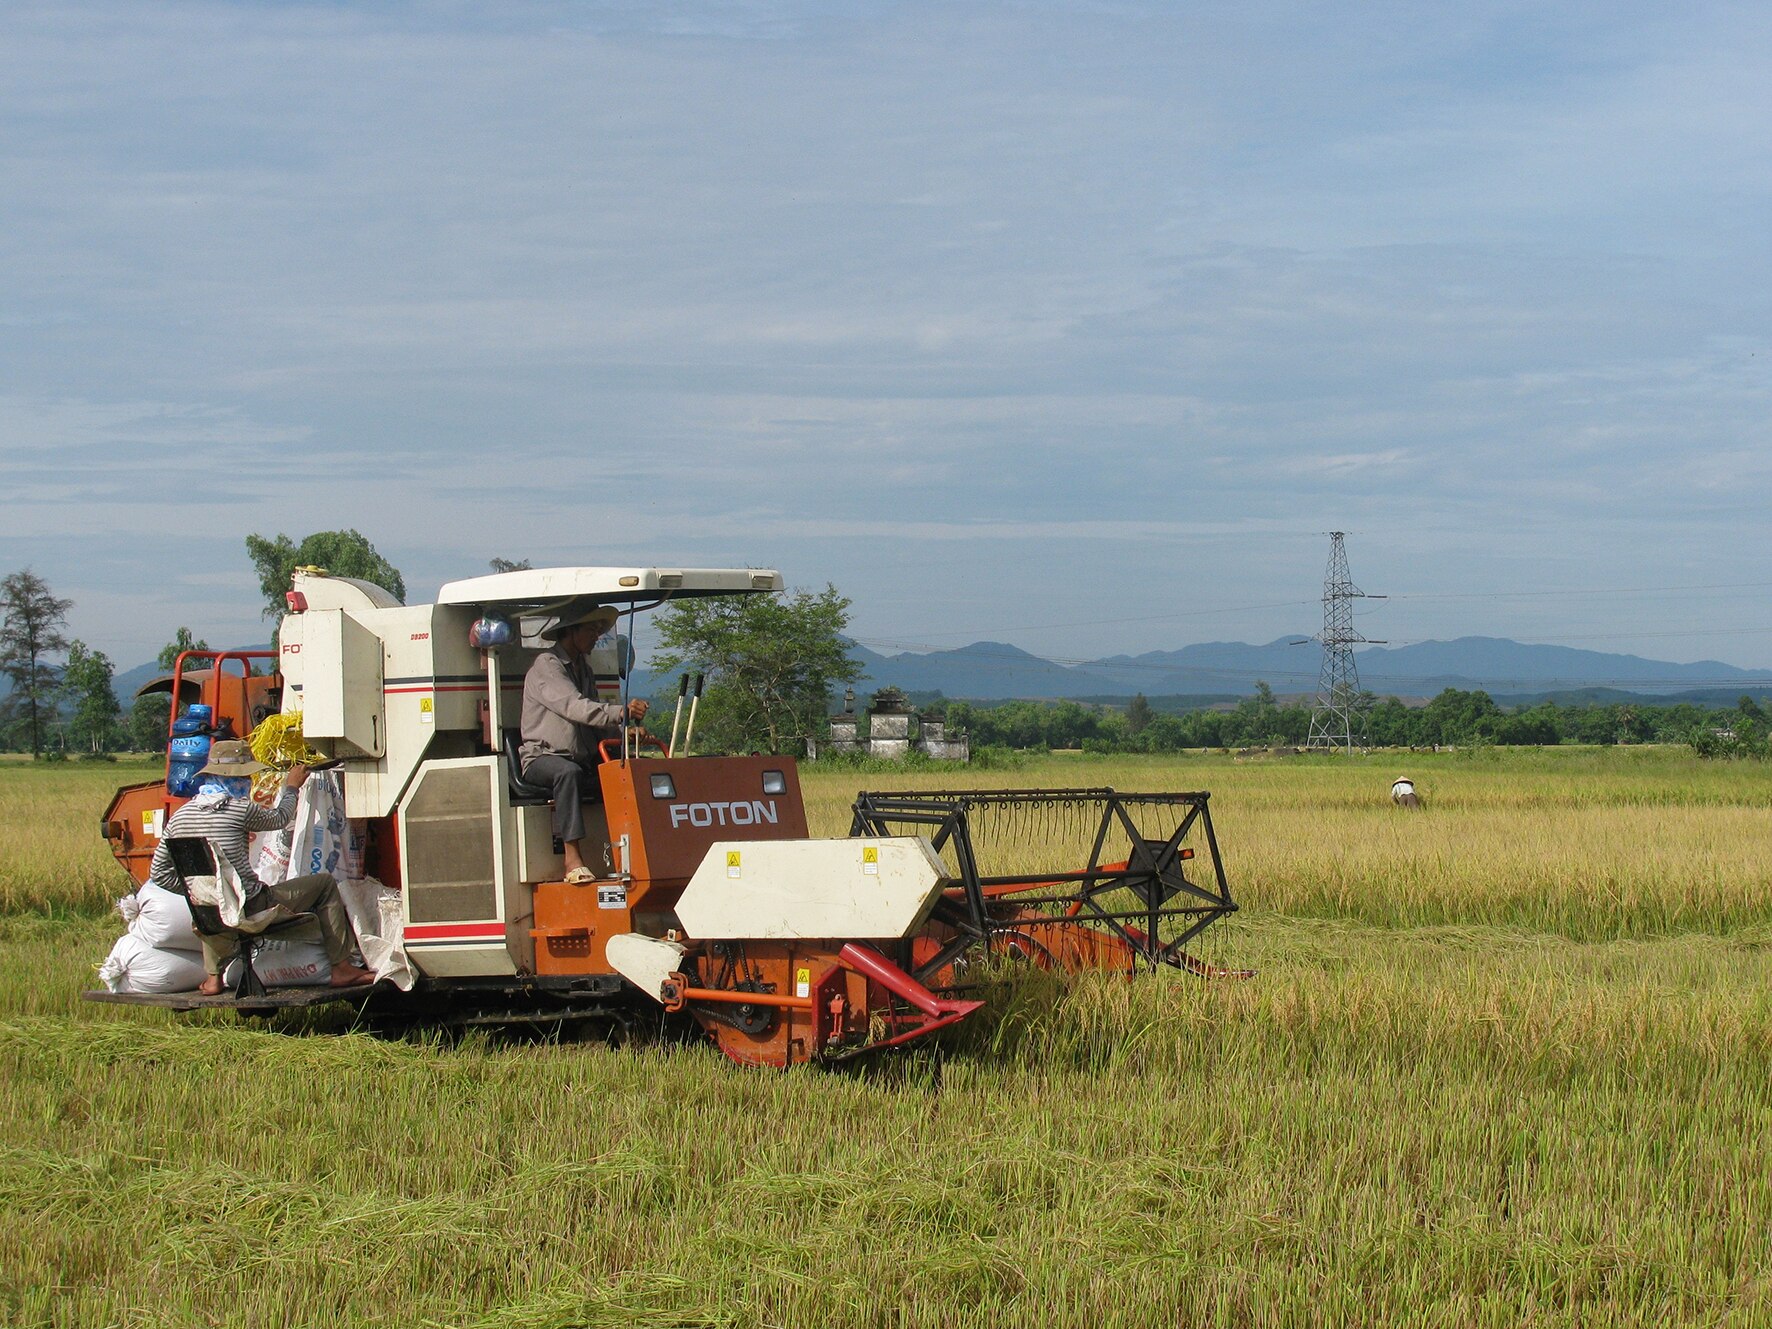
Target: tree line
1455,718
773,666
62,698
55,710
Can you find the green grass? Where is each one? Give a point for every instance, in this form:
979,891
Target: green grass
1446,1100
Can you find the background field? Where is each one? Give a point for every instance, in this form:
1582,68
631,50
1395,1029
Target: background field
1506,1062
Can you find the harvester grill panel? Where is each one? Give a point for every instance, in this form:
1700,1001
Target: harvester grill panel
1071,878
449,846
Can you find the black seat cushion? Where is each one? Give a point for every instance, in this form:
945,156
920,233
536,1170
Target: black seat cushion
522,792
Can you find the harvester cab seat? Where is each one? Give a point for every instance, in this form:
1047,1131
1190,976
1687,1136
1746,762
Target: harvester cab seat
192,857
523,794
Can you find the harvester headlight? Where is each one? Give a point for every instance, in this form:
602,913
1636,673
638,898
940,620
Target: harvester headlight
663,786
774,782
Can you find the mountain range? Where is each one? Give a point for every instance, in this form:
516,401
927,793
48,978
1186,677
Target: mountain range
993,671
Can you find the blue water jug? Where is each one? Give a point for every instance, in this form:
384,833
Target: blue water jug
188,752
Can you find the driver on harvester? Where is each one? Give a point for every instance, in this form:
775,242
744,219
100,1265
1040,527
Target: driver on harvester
562,724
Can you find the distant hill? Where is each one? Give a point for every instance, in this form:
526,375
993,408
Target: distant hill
1499,665
990,670
1513,672
983,669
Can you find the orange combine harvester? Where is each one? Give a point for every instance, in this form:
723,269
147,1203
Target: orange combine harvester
711,900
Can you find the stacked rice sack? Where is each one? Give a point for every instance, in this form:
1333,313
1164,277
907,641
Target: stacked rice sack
160,951
320,838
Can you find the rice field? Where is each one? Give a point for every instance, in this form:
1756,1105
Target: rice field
1506,1063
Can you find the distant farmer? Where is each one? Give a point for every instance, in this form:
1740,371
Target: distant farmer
224,813
562,724
1403,793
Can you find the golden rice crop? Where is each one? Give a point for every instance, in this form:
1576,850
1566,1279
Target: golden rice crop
1504,1063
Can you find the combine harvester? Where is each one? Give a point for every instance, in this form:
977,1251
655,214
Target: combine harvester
711,897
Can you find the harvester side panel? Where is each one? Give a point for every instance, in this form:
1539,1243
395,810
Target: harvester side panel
454,869
808,889
672,811
342,689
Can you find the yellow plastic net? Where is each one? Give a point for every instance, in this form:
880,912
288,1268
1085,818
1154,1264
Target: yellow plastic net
277,741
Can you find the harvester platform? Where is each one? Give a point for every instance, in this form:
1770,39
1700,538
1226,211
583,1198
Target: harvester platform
276,999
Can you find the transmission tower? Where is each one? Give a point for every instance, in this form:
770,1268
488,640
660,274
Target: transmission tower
1335,718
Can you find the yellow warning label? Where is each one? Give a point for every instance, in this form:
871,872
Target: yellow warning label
871,854
426,705
148,822
732,858
802,982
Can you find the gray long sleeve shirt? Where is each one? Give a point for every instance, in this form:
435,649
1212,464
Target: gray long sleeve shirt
561,715
226,827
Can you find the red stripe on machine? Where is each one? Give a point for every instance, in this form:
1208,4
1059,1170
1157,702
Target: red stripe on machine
454,932
462,687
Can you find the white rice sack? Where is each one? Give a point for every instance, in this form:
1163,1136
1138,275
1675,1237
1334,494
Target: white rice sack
319,837
270,855
160,918
283,962
322,839
135,966
380,925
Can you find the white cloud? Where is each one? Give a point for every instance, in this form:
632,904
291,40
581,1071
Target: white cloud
1048,289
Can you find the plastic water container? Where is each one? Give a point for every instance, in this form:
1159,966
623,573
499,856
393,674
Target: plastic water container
188,752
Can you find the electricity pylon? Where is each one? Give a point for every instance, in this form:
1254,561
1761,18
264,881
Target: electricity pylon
1335,719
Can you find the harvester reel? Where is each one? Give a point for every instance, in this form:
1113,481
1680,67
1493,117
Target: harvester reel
1118,899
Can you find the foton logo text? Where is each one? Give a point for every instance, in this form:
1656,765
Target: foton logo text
752,813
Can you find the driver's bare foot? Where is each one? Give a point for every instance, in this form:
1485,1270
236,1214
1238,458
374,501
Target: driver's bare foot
350,976
210,987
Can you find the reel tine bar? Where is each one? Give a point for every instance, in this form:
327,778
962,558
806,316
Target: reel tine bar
1071,888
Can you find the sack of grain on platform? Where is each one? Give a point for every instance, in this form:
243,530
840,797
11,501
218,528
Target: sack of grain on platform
159,918
135,966
284,962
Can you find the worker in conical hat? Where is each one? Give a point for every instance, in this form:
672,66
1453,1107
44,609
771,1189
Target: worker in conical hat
564,721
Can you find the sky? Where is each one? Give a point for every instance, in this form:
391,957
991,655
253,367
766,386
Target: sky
1075,326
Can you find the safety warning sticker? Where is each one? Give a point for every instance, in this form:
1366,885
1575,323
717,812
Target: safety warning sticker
870,861
732,864
427,710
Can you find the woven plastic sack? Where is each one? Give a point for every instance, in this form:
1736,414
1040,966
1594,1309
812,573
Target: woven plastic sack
319,837
380,925
160,918
270,855
283,962
322,839
135,966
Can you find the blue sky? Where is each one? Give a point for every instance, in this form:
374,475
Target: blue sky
1075,326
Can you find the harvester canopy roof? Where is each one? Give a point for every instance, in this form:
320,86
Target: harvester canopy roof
540,587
